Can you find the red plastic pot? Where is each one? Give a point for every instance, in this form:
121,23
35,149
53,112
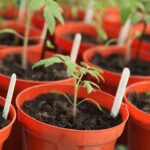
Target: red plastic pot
20,28
67,13
5,132
38,18
112,78
112,22
41,136
65,44
139,124
145,47
33,56
10,14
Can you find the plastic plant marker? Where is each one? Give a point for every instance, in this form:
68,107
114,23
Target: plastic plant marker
22,9
44,32
124,33
89,12
75,47
9,96
120,92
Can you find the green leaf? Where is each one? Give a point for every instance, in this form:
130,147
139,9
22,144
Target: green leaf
120,147
49,44
7,30
56,11
47,62
49,19
126,12
147,19
35,5
88,86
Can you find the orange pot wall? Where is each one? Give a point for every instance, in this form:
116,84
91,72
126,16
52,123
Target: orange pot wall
112,22
111,78
5,132
64,44
15,140
41,136
20,28
139,129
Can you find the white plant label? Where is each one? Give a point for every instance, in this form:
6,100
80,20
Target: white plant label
120,92
124,33
9,96
22,9
89,12
75,47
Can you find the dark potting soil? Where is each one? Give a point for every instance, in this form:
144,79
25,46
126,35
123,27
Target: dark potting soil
85,38
9,39
140,100
55,109
146,38
3,122
12,64
116,63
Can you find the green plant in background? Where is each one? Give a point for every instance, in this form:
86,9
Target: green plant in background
120,147
6,4
77,72
137,11
100,6
51,11
75,6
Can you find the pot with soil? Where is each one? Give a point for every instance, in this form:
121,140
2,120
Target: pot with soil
55,123
8,39
137,98
38,18
11,62
6,124
111,22
64,36
144,40
9,14
111,59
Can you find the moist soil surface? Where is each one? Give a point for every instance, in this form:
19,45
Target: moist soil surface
146,38
140,100
12,64
55,109
3,122
116,63
9,39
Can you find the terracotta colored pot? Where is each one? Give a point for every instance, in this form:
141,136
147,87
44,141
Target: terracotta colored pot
10,14
41,136
65,44
139,127
38,18
20,28
112,78
68,14
112,22
34,56
5,132
145,47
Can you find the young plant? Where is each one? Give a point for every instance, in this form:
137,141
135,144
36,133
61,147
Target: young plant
77,72
136,11
51,11
100,7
